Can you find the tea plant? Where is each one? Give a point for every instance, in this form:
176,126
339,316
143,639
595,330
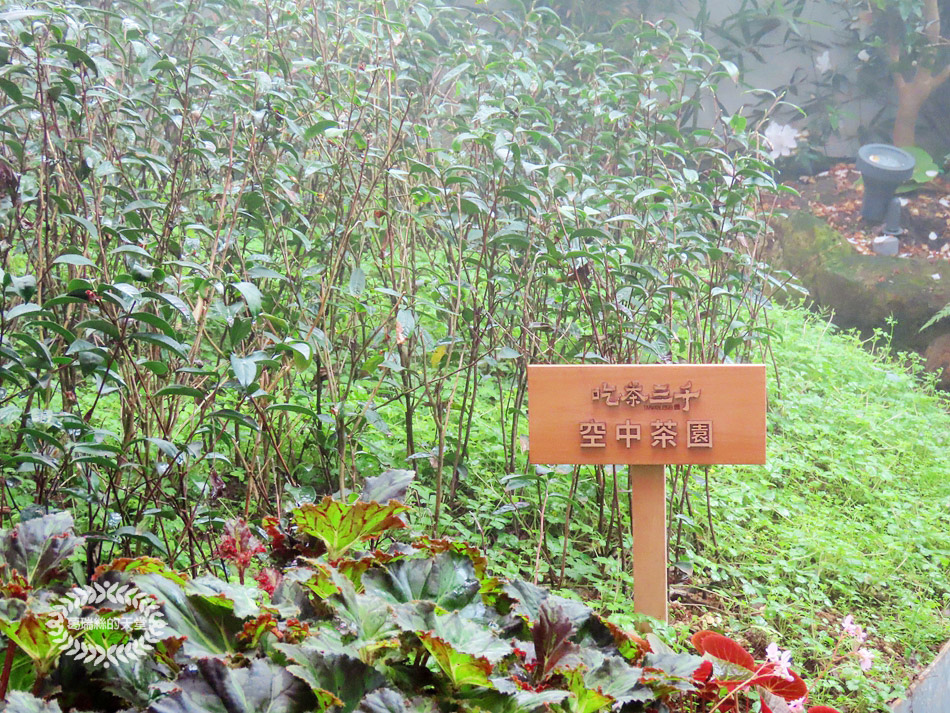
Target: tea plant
245,246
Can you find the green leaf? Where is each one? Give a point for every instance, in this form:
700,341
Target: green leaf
341,525
180,390
100,325
385,700
319,128
23,287
462,669
38,548
293,408
32,635
941,314
470,637
76,56
23,702
252,296
618,680
237,417
448,579
85,223
75,259
583,699
390,485
242,598
149,538
211,686
21,309
154,321
19,14
346,678
163,341
210,628
245,370
357,281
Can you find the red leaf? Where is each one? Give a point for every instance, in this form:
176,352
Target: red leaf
781,687
724,648
703,673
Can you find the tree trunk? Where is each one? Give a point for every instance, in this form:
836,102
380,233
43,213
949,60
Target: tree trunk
910,98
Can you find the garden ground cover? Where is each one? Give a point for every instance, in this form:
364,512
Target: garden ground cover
848,516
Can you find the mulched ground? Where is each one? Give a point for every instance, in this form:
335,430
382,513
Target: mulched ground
835,196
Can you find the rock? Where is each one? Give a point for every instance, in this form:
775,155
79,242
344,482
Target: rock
863,291
938,360
886,245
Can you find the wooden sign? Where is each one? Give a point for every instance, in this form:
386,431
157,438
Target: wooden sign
647,416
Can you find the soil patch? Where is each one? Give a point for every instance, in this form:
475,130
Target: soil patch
835,196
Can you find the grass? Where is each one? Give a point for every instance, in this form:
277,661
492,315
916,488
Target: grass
848,516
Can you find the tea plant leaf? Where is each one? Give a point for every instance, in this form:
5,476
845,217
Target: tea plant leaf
252,296
245,370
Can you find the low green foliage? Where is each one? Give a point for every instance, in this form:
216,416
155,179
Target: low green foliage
418,626
847,517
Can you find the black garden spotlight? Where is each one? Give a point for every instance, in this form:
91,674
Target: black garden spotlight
884,168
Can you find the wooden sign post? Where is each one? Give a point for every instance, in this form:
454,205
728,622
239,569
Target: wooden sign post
647,417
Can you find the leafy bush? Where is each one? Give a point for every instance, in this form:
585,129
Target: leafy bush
412,626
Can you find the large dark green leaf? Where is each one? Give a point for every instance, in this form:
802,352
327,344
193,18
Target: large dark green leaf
241,598
210,626
470,637
38,548
529,599
462,669
366,616
345,677
386,700
619,680
391,485
448,579
23,702
212,687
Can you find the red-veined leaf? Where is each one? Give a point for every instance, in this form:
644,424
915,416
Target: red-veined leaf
782,687
723,648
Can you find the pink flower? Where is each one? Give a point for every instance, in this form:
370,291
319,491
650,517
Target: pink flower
781,659
853,629
797,706
865,659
